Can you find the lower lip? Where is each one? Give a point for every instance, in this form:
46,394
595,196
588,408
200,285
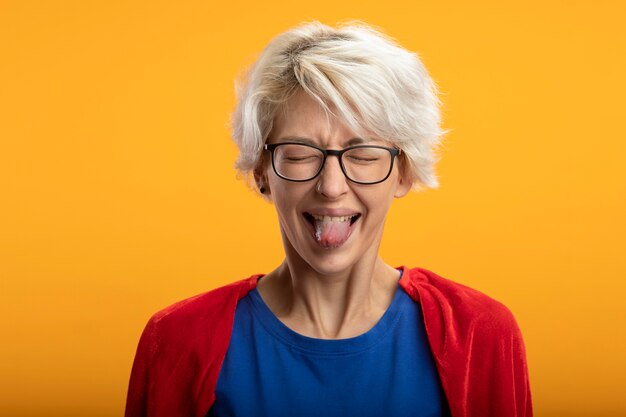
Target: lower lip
312,232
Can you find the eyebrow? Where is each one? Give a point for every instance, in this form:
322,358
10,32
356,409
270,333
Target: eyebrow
308,141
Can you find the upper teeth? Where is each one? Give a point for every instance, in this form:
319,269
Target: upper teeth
332,219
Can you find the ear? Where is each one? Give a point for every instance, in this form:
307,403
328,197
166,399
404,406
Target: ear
261,180
405,181
404,186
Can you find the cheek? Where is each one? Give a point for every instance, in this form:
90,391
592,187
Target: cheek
378,204
382,194
284,199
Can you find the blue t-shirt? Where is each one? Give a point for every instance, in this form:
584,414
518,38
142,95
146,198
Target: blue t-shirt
272,371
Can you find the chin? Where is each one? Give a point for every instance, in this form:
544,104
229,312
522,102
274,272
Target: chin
331,260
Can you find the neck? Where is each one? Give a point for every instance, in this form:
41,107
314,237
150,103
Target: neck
330,306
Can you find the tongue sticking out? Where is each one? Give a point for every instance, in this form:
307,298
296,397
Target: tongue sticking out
331,234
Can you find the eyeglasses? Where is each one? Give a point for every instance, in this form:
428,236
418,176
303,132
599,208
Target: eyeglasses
362,164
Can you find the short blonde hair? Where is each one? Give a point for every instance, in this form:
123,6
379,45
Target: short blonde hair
370,82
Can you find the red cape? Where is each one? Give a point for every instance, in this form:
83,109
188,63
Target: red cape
475,341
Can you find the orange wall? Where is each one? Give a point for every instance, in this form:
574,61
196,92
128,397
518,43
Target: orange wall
118,197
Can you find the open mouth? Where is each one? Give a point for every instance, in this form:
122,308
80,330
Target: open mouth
331,231
313,218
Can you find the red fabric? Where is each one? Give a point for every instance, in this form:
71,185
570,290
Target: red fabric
476,343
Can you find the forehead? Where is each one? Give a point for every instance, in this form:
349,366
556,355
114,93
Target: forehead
304,119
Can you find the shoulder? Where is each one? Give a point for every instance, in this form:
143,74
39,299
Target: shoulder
184,342
458,303
204,310
476,343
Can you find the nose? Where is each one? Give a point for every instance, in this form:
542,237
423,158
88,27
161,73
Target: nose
332,183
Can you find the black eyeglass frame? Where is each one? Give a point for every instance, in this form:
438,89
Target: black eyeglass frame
332,152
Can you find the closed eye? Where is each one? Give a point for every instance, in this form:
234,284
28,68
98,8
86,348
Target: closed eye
356,159
299,159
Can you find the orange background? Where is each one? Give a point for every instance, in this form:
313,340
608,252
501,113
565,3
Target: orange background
118,194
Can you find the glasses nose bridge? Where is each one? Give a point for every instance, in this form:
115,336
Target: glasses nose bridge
332,152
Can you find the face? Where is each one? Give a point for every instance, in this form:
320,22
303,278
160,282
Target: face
329,223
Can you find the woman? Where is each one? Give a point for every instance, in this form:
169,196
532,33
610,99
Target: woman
332,125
